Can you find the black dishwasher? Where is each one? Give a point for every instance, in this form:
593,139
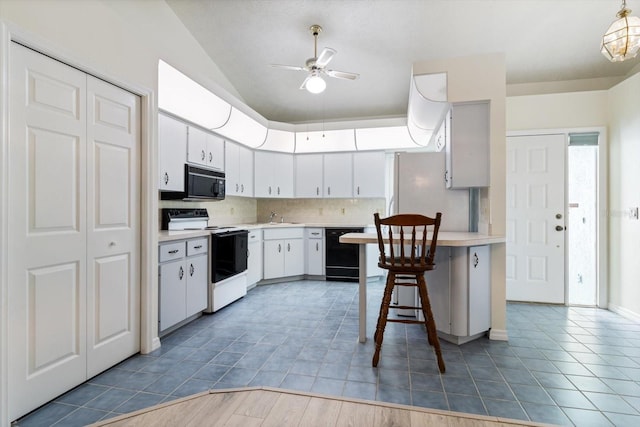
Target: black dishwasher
341,259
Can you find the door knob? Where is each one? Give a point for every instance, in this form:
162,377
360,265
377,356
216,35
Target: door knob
559,228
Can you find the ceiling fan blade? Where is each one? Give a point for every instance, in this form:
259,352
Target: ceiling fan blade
341,74
289,67
304,83
324,57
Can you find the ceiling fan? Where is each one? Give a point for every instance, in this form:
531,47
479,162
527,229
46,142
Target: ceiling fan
315,66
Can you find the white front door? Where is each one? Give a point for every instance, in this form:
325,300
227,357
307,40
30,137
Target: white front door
73,267
113,231
535,218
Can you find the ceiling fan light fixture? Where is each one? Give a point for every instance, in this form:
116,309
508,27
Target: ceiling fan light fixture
316,84
622,40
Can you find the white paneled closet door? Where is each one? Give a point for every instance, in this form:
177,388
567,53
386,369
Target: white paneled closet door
113,225
55,208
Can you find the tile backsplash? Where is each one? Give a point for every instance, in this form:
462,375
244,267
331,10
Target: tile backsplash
345,211
242,210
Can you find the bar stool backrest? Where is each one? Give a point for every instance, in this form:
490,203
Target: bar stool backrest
411,239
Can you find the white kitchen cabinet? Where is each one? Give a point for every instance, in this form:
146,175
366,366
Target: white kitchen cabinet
460,292
283,252
254,260
205,149
308,175
314,238
183,280
369,174
238,170
467,145
338,175
215,152
273,174
196,146
172,151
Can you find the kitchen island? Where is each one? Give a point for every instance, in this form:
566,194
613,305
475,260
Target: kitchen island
451,286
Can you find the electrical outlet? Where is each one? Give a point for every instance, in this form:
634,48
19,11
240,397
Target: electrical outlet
633,213
342,211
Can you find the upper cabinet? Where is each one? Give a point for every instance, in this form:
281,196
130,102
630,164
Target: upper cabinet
308,175
467,145
205,149
172,150
239,170
338,175
273,174
369,174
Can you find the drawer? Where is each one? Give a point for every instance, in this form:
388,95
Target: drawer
315,233
171,251
255,235
197,246
283,233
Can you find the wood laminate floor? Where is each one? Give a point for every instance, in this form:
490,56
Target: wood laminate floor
263,406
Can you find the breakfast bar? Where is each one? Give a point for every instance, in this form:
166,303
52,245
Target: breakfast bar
462,276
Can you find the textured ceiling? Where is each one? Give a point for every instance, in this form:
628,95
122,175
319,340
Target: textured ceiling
543,41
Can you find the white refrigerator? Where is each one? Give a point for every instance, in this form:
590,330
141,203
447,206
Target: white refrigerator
419,187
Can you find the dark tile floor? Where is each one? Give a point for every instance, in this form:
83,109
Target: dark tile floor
569,366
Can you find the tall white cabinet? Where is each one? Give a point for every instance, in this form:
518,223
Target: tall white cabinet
74,195
238,170
172,153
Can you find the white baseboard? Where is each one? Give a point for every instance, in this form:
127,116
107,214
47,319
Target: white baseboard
498,334
625,312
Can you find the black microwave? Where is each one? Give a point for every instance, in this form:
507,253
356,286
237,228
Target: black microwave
199,184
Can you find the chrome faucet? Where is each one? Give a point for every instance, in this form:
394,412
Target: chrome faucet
273,214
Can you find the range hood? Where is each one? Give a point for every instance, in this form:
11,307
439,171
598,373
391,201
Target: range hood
427,108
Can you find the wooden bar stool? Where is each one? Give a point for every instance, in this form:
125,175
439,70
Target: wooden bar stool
408,234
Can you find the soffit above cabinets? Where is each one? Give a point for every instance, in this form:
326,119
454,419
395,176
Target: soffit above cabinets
427,106
183,97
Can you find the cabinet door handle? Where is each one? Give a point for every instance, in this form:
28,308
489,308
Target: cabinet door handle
317,191
329,191
242,188
191,270
288,247
315,233
237,188
446,176
210,157
203,155
278,190
166,178
358,190
279,248
317,246
475,260
269,190
174,251
181,273
197,247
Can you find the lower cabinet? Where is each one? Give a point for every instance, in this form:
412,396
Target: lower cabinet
254,260
283,252
183,278
315,252
460,292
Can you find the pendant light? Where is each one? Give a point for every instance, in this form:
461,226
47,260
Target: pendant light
622,40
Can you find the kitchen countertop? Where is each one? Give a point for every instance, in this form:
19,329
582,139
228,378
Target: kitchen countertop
445,238
167,236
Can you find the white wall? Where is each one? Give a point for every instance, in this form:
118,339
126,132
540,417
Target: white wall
624,192
557,111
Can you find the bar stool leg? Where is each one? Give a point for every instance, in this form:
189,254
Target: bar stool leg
432,334
382,318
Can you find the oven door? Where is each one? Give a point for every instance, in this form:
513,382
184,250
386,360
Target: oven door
228,254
